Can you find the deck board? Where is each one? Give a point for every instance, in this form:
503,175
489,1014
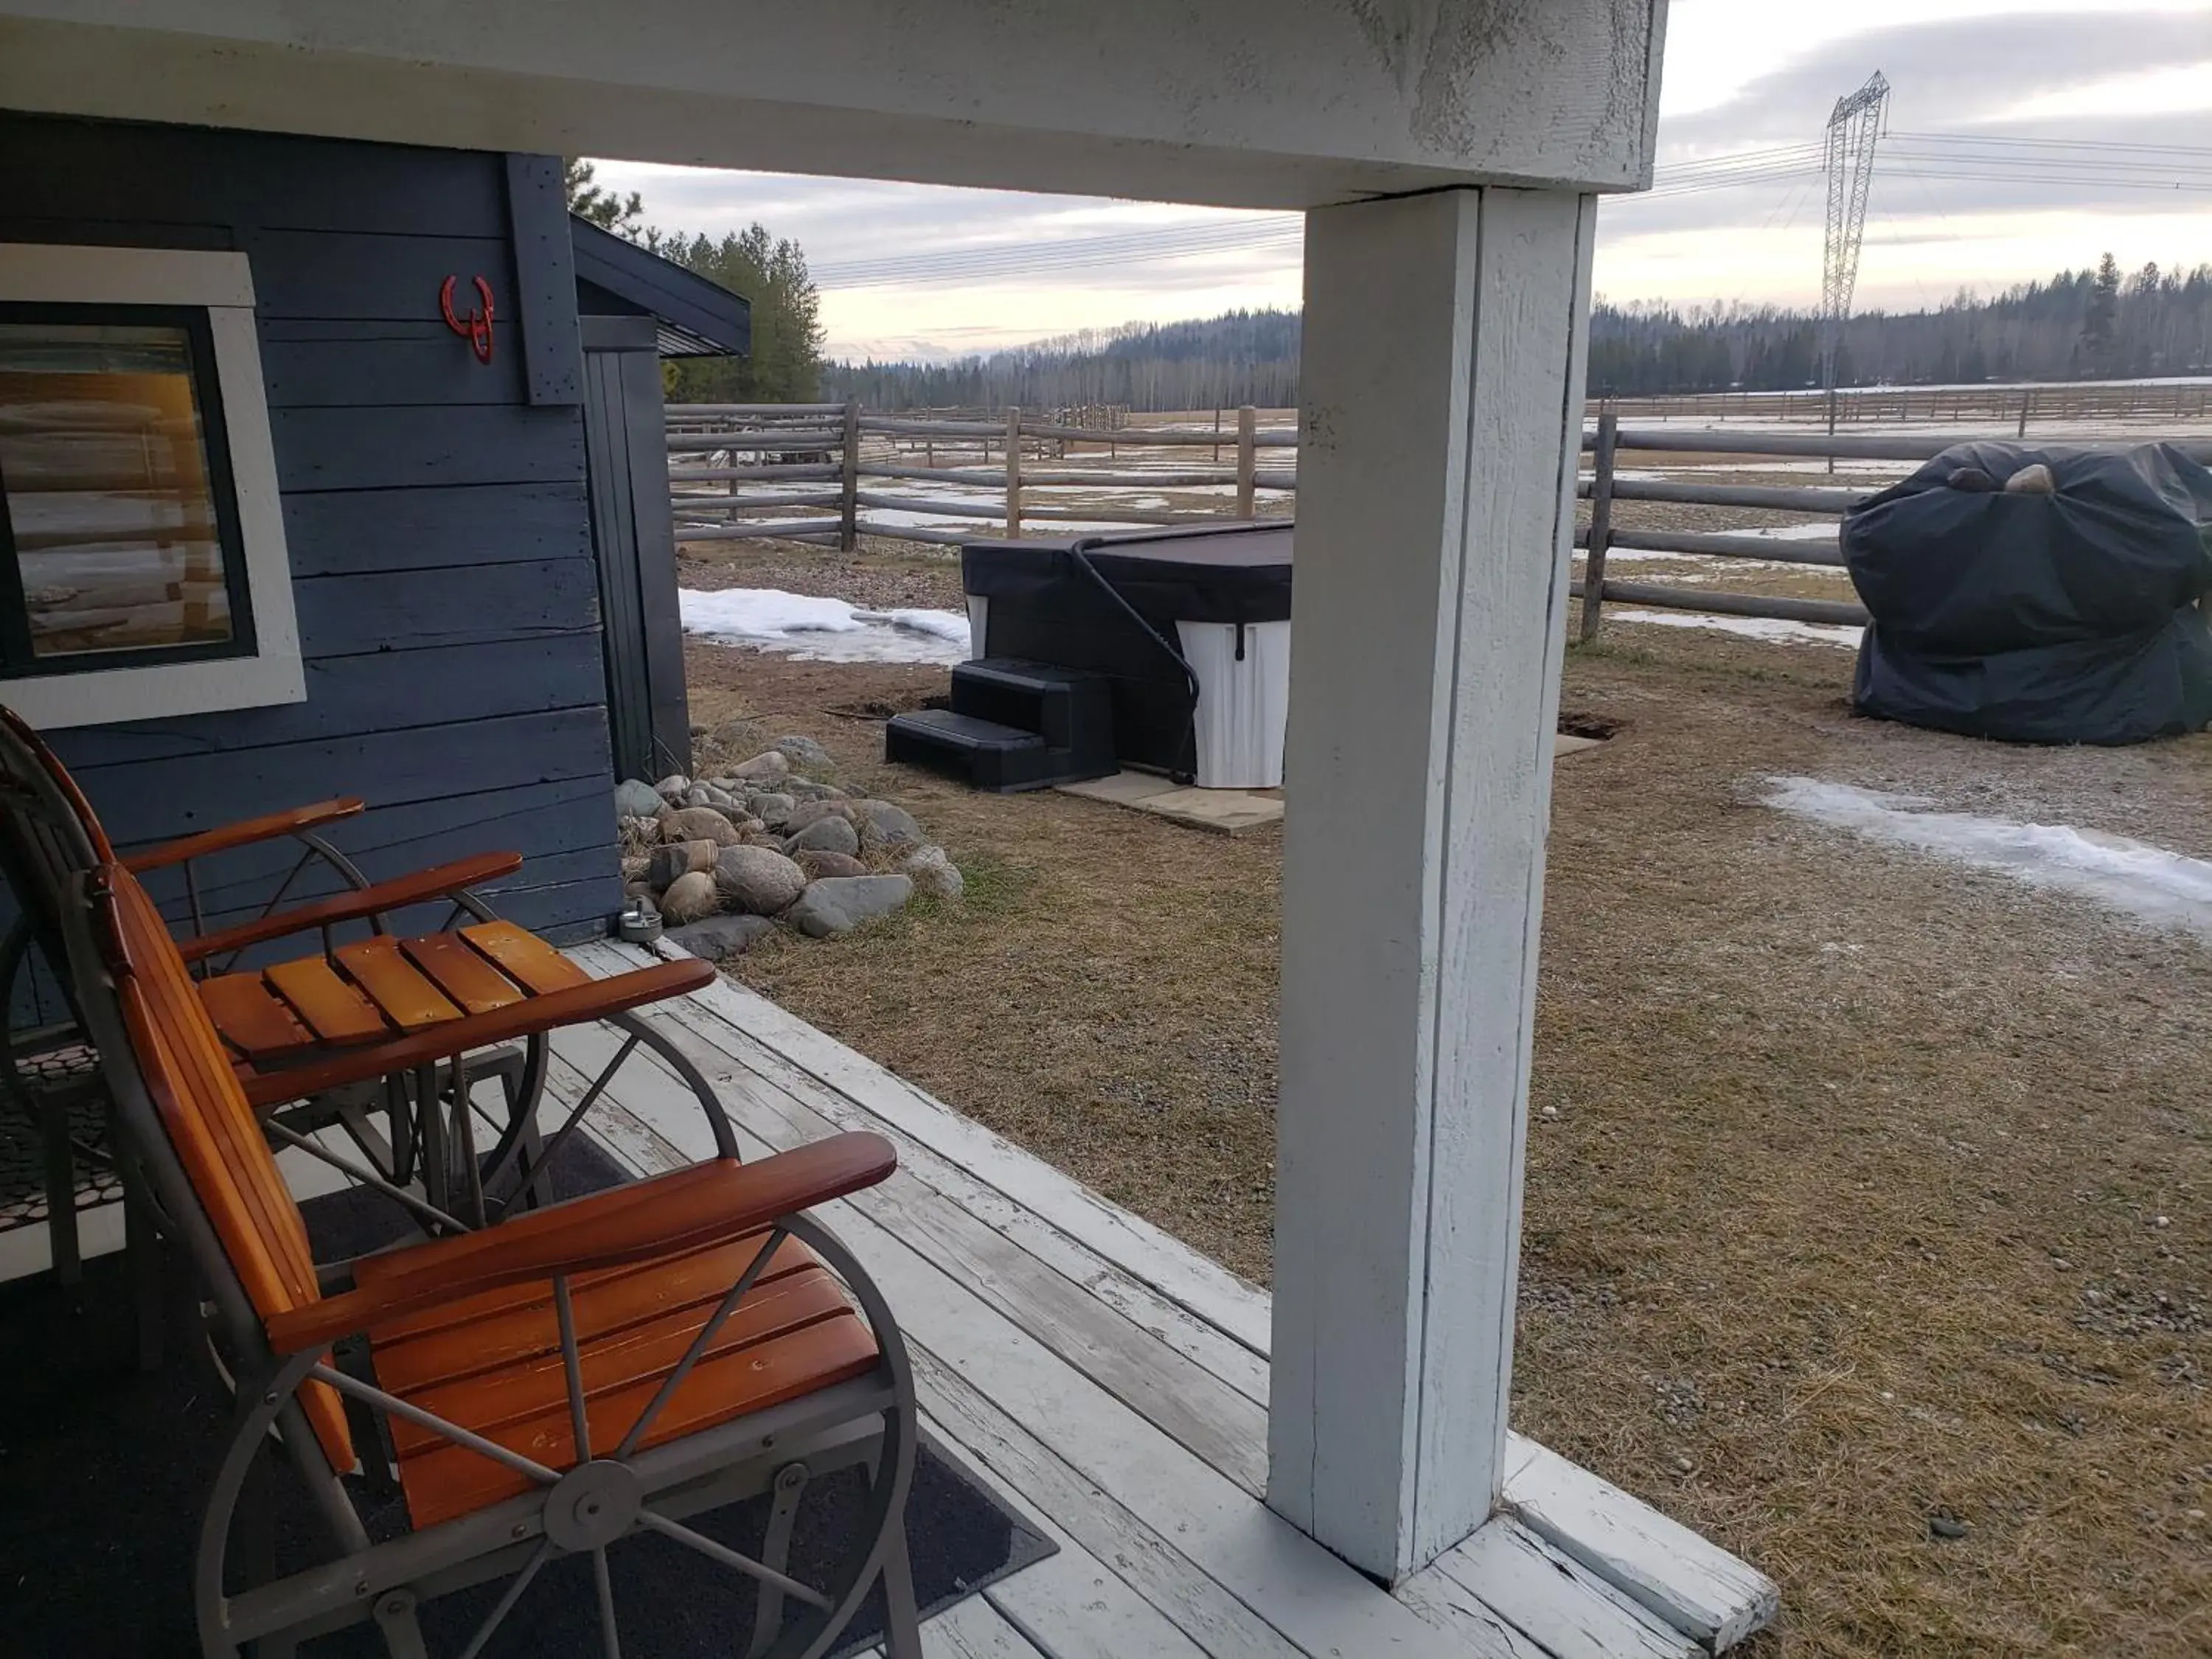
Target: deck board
1113,1383
1117,1381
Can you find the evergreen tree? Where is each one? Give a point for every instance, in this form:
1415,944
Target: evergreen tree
2103,309
622,214
786,364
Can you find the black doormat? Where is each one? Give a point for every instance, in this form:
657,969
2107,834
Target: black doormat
104,1470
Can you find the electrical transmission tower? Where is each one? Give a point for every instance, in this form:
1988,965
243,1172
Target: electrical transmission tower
1848,160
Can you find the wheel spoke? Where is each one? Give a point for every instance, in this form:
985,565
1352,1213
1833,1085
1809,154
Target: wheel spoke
610,1638
730,1559
497,1616
572,1363
437,1425
675,1378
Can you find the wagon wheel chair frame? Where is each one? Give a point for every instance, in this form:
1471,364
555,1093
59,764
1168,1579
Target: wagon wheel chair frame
49,833
782,1362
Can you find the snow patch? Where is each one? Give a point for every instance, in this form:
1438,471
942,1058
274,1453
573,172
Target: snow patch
822,630
2148,883
1755,628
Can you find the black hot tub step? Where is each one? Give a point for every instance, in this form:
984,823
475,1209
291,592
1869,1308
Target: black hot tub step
1071,708
984,753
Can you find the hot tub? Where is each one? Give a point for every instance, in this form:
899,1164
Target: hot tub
1191,626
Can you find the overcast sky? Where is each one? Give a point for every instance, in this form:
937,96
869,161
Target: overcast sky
2117,98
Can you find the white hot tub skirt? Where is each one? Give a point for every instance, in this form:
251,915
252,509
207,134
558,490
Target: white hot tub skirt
1244,705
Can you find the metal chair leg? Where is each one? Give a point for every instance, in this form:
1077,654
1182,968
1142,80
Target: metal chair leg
394,1614
142,1259
902,1617
776,1552
61,1185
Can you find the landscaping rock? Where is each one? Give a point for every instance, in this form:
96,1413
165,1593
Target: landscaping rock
807,789
639,887
699,824
886,828
804,754
769,767
931,870
825,835
813,811
758,879
673,858
689,897
818,864
671,787
716,937
637,830
634,800
708,794
772,808
838,904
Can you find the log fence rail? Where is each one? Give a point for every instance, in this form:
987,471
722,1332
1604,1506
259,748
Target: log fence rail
841,449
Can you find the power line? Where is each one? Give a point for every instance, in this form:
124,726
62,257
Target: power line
1966,157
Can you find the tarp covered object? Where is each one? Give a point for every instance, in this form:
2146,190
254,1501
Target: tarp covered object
2064,617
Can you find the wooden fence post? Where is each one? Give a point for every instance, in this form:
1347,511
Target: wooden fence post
1013,470
849,526
1600,527
2027,397
1247,426
1216,437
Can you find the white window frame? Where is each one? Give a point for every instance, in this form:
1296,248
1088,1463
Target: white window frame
222,284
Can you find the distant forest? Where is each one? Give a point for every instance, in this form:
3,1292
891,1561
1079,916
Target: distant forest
2093,324
1212,362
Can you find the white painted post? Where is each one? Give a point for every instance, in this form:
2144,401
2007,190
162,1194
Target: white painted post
1442,384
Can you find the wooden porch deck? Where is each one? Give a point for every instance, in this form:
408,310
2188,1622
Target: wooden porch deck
1114,1383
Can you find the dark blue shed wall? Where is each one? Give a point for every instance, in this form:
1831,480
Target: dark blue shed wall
437,524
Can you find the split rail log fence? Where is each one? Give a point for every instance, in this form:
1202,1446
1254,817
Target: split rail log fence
818,459
1605,485
828,446
1995,408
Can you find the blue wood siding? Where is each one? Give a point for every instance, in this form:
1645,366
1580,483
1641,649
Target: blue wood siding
437,522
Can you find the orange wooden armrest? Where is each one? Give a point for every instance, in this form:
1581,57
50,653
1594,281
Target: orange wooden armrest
244,833
670,1215
440,882
576,1005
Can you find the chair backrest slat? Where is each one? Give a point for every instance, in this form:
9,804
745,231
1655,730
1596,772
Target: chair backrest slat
217,1140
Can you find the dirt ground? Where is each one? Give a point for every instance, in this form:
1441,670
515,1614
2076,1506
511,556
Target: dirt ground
1846,1166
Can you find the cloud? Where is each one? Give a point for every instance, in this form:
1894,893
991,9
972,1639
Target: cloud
1742,76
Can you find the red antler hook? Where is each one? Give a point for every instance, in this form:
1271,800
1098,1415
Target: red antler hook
475,329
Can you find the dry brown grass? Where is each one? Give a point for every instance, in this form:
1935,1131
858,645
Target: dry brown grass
1827,1120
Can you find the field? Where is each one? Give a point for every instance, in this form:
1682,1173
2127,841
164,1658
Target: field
1867,1196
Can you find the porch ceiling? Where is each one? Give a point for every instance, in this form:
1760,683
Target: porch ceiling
1254,103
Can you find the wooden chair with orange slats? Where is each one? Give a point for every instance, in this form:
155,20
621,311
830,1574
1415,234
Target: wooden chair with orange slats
587,1373
293,1026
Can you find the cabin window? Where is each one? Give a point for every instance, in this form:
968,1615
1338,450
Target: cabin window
118,526
143,567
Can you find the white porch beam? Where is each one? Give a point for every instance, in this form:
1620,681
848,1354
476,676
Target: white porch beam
1442,386
1254,103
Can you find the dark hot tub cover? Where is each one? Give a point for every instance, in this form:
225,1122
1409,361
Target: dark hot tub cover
1045,607
2065,617
1201,573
